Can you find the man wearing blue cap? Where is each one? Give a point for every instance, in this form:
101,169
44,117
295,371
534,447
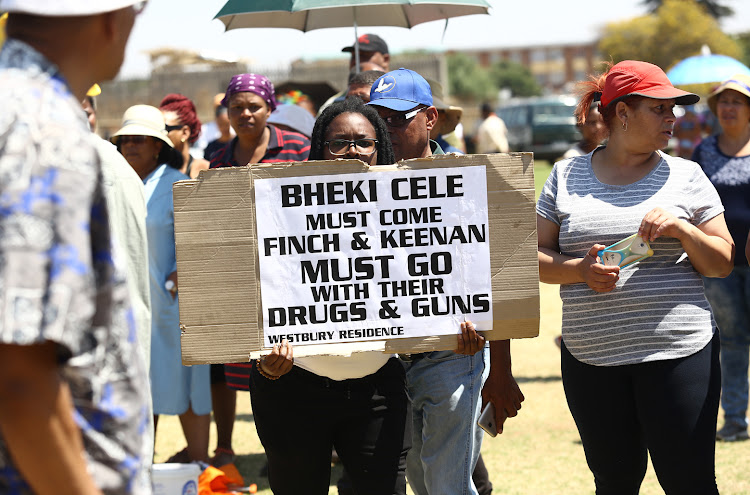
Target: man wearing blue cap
404,101
444,386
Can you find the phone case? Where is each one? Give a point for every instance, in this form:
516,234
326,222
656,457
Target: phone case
626,252
487,420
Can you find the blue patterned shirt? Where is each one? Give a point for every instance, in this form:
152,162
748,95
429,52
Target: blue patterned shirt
60,279
730,175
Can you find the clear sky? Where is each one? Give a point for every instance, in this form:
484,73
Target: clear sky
190,25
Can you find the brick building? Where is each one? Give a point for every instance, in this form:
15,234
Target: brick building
555,67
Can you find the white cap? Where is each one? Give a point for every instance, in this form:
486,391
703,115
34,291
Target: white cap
63,8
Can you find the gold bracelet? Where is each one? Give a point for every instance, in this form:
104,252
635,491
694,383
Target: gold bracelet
263,373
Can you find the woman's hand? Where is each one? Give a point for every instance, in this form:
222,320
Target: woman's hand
599,277
469,341
659,222
709,245
280,361
558,268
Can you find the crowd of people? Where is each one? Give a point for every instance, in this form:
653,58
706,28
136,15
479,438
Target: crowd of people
90,289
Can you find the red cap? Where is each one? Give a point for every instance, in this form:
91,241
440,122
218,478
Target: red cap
632,77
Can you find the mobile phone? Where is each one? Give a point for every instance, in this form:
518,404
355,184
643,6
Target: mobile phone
487,420
628,251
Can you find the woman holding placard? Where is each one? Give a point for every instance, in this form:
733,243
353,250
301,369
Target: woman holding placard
358,404
640,351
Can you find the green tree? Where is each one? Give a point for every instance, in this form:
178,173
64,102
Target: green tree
743,40
714,9
516,77
675,31
468,80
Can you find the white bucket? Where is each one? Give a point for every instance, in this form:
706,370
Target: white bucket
175,479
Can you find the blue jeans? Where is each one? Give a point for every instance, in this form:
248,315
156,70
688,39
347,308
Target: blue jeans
445,392
730,301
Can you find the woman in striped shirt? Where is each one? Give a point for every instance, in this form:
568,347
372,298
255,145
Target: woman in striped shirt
250,99
640,352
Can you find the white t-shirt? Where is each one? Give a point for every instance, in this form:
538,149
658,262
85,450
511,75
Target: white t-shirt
492,136
357,365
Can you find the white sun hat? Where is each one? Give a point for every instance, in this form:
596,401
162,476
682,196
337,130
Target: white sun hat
63,8
143,120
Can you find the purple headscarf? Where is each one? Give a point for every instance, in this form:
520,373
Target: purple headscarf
251,83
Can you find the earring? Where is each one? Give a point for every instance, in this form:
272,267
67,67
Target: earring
625,126
183,140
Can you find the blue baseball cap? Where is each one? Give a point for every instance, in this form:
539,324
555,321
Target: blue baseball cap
400,90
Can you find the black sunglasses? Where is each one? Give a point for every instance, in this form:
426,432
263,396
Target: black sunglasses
401,119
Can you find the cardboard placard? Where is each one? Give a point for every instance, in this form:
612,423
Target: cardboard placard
221,260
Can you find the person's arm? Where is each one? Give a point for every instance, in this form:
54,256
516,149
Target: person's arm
36,421
709,245
557,268
501,388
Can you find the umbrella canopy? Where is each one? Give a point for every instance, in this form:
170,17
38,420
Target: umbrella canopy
306,15
702,69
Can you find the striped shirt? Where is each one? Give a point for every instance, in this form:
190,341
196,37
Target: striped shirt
283,146
658,309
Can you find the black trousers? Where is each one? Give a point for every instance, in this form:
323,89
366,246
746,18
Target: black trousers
300,416
665,408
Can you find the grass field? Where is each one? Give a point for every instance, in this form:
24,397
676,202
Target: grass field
539,452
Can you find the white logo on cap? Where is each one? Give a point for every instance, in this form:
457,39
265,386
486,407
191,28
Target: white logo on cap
384,87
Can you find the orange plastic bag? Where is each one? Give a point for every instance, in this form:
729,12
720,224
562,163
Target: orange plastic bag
220,481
